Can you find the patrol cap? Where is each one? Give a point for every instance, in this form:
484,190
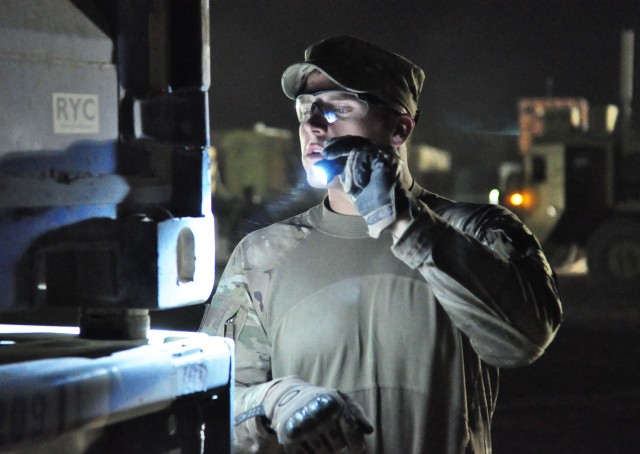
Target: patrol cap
360,67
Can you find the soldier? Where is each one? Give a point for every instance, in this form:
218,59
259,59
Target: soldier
376,321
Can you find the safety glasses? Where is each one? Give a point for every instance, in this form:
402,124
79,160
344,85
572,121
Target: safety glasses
333,105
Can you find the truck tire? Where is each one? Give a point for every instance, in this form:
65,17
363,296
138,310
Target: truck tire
613,257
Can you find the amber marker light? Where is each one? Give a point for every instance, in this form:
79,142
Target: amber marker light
523,199
516,199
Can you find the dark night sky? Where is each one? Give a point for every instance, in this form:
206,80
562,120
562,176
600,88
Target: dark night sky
479,56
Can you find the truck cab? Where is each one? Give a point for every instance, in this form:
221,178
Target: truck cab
579,181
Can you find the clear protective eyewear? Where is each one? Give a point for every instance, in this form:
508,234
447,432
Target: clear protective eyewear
333,105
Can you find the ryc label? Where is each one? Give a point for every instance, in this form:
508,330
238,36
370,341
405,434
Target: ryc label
75,113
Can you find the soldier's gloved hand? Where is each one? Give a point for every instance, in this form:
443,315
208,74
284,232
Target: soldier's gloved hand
371,177
309,419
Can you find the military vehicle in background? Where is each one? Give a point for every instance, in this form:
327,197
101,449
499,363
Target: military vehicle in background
579,180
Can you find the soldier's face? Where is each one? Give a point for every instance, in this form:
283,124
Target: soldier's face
316,130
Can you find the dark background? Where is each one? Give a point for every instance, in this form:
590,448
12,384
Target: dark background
479,56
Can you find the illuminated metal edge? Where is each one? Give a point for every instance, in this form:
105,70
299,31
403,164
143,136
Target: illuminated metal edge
171,292
82,392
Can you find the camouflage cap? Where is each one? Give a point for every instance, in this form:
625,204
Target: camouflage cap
360,67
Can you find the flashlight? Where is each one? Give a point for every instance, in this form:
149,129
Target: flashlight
326,170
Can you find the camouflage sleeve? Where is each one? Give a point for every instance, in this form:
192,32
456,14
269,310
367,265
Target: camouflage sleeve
490,275
238,310
231,313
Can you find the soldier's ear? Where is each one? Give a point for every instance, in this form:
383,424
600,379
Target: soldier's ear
403,126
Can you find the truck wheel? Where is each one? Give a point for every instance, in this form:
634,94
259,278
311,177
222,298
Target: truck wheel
613,257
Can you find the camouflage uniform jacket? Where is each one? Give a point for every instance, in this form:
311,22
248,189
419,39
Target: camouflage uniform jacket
414,331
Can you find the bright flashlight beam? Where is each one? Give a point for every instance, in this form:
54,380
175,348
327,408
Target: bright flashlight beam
327,169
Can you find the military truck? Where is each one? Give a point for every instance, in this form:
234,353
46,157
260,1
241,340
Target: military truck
580,180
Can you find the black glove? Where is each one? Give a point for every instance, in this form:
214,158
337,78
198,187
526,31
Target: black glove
371,177
310,419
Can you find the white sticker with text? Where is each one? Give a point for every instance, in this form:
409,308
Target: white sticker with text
75,113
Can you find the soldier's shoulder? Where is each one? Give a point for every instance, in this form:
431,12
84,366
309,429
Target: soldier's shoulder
468,216
273,241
